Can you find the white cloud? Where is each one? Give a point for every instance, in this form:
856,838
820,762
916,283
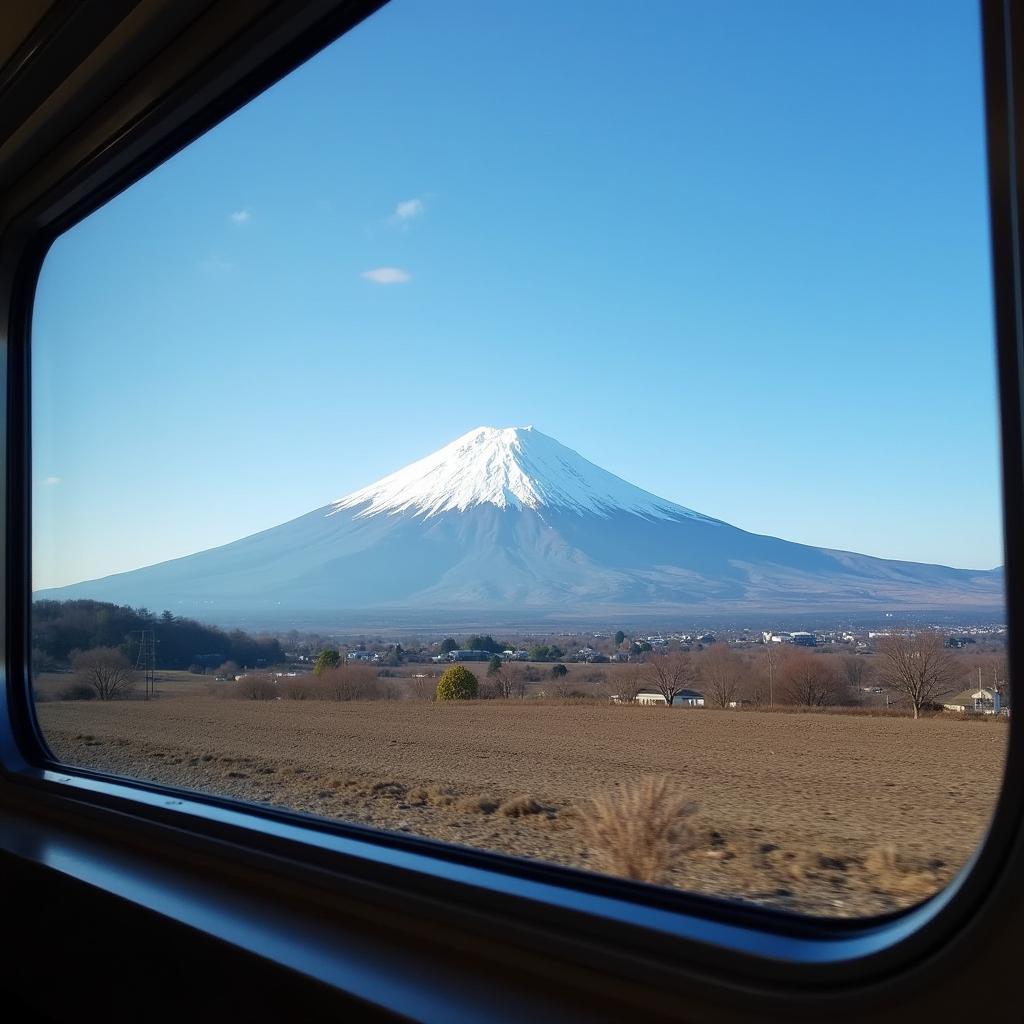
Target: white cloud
386,275
51,481
241,216
406,211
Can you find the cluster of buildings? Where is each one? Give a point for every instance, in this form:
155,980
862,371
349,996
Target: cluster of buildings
800,637
979,701
468,655
651,698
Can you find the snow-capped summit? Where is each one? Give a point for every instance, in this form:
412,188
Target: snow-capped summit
509,467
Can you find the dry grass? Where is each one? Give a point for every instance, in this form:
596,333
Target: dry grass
852,711
476,805
389,787
893,872
431,796
638,829
520,806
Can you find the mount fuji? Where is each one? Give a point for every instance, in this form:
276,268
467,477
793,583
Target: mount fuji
508,522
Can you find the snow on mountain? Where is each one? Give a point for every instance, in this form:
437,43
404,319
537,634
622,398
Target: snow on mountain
509,467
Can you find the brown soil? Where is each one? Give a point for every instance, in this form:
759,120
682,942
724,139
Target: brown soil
826,814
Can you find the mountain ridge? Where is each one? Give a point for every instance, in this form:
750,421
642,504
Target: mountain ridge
509,519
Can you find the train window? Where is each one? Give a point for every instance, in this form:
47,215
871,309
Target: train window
578,445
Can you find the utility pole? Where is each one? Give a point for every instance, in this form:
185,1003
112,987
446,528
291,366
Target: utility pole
145,662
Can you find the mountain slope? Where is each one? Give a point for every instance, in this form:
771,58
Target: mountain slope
509,520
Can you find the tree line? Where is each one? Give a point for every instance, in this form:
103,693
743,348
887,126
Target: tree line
61,629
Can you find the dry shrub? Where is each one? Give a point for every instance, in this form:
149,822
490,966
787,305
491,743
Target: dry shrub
519,806
433,796
859,711
388,787
476,805
569,695
254,687
349,682
78,691
568,698
386,689
792,865
421,688
300,688
894,873
636,830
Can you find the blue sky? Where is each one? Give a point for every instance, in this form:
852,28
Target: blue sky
736,253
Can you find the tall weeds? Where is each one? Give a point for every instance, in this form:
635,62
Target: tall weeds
638,829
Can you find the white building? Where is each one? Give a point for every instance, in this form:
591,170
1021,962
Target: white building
688,699
980,701
651,698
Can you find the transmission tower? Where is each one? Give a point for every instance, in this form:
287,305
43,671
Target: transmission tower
145,663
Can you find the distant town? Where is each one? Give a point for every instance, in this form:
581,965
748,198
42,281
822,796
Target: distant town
884,664
621,647
818,667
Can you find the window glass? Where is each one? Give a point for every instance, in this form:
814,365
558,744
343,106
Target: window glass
551,431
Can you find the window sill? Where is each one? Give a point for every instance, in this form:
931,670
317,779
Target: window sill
393,925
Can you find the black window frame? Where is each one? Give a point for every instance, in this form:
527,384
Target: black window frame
649,941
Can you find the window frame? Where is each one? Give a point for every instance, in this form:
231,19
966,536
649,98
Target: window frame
650,941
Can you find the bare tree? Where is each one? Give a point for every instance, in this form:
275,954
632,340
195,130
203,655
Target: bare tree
520,678
917,665
626,683
856,671
106,670
510,681
753,681
988,670
256,686
809,680
771,654
349,682
422,687
997,675
668,673
720,671
562,689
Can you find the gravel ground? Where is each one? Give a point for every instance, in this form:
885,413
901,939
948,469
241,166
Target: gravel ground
826,814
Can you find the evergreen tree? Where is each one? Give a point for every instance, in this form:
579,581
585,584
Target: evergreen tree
458,683
327,659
